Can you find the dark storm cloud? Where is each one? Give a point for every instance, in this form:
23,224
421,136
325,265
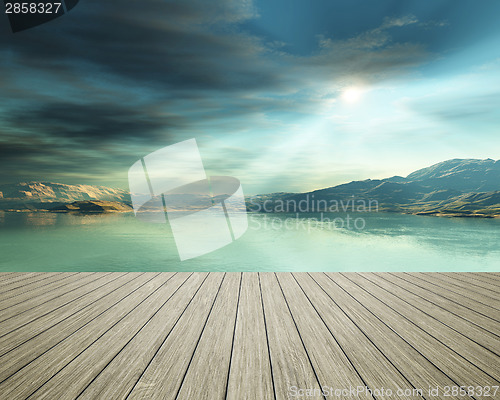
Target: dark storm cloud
30,157
10,150
186,48
174,46
59,140
94,124
93,91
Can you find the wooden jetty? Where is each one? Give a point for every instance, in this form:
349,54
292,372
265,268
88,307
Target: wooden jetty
249,335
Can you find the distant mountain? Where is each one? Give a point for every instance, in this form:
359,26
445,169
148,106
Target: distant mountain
47,195
459,187
92,206
462,175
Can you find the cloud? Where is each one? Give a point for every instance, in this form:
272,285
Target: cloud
90,93
370,56
398,22
475,108
427,25
30,158
193,48
171,45
93,125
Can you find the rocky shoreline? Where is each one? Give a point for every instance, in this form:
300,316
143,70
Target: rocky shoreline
453,214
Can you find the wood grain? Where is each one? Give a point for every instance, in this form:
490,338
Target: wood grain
246,336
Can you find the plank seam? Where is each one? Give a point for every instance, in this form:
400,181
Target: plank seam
168,334
472,291
30,283
51,290
364,334
334,338
475,276
21,277
446,298
111,327
234,335
452,291
300,336
267,336
69,316
396,333
429,315
63,305
140,329
199,337
453,277
437,305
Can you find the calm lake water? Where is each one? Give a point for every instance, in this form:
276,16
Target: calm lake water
273,242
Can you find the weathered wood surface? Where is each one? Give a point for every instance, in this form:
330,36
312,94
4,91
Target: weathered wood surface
246,335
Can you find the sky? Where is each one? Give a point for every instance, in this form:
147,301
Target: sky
285,95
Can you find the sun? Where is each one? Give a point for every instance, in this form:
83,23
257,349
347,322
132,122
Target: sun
351,94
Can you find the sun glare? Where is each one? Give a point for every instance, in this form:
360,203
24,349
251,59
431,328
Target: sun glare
351,95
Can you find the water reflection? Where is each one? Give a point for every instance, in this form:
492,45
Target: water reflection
65,242
40,219
453,235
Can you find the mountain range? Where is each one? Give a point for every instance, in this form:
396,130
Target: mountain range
458,187
49,195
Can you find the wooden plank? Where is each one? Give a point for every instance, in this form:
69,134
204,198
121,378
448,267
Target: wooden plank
214,347
473,283
16,277
57,281
123,336
6,276
250,371
130,363
493,276
460,370
467,314
416,368
93,318
21,330
444,329
72,369
461,289
466,288
290,362
163,376
332,364
480,279
13,316
357,345
24,280
453,296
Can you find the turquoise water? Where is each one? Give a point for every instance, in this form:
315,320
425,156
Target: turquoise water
119,242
